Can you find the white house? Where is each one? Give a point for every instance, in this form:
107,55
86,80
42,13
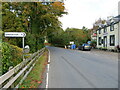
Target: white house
108,35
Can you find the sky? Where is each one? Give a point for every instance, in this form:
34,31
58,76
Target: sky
86,12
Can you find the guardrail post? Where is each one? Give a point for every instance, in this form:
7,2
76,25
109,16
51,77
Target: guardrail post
11,67
24,66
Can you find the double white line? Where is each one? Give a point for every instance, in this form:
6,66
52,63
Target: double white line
48,68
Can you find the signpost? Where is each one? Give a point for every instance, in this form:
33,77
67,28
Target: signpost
16,34
26,49
72,42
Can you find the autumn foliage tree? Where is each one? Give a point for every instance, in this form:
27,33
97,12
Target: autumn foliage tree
35,18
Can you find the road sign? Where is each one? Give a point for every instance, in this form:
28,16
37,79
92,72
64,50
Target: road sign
15,34
71,42
26,49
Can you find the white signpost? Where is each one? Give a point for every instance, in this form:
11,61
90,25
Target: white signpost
16,34
26,49
72,42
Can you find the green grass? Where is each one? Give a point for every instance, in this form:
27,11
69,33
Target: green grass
34,79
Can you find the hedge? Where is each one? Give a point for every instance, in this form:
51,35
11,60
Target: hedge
11,56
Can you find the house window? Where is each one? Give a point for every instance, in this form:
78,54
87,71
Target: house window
99,31
112,40
99,40
105,41
105,29
112,27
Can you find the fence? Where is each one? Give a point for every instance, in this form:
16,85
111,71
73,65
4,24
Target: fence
8,79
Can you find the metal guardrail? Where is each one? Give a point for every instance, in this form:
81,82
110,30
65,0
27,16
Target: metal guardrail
7,80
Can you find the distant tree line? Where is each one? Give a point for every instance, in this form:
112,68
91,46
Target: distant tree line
79,36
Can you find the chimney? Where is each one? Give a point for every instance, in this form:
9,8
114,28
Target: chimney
119,8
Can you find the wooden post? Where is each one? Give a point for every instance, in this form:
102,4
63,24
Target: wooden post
11,67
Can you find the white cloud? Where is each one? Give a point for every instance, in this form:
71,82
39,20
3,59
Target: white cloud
85,12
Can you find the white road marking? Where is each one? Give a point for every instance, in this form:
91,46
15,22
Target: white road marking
49,56
86,52
47,81
48,68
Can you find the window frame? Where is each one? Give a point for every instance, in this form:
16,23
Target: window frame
105,29
112,27
112,40
99,31
99,40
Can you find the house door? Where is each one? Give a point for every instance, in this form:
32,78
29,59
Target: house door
105,41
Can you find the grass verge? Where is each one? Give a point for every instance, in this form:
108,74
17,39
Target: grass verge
35,77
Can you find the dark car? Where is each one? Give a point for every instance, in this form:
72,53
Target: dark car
84,47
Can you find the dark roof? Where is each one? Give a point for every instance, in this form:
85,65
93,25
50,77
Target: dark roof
117,16
118,20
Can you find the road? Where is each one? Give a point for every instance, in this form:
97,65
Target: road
82,69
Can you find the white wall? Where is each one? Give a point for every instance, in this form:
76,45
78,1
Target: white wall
115,32
119,8
119,33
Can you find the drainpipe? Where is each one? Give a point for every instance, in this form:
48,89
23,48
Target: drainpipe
119,34
119,45
119,24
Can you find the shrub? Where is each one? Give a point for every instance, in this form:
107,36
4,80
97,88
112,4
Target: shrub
11,56
16,55
93,44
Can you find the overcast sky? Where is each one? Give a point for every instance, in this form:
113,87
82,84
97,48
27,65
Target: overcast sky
86,12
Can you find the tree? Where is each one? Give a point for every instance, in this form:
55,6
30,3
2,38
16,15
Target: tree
34,18
79,36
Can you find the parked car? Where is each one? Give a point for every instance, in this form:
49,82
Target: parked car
89,42
84,46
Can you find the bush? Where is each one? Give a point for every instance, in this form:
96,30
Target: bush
11,56
93,44
34,43
16,55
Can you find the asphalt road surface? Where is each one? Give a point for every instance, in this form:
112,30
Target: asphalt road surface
82,69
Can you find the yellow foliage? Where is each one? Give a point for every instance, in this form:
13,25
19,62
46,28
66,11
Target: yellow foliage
17,54
58,5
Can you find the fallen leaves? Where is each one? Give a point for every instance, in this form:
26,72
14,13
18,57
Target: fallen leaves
39,82
36,76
